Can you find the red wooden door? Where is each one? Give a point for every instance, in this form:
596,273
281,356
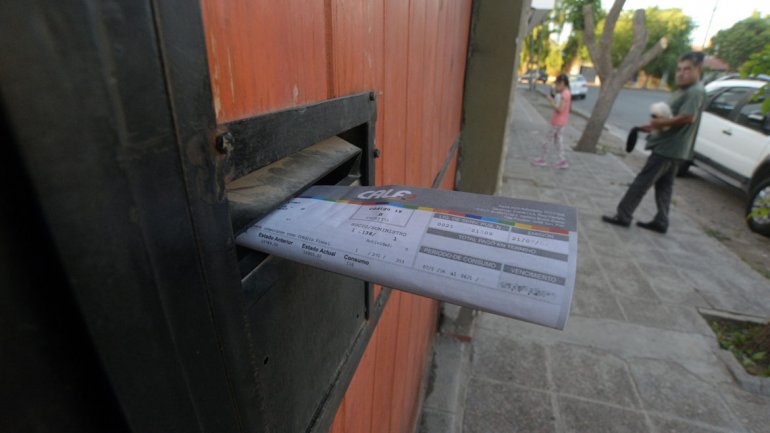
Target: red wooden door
266,55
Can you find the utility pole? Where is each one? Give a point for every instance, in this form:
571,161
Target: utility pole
529,66
705,38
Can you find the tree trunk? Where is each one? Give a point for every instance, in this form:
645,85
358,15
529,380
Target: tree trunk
612,78
593,130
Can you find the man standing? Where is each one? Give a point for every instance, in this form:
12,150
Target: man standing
671,146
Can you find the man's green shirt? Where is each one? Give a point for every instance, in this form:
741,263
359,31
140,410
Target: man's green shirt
677,142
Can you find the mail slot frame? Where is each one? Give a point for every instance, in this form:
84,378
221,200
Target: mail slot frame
267,141
264,139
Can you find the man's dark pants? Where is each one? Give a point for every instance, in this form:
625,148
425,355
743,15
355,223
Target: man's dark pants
657,171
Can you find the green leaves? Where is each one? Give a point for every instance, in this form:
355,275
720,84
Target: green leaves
746,37
670,23
740,339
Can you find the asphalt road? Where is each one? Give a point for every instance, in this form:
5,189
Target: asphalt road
632,107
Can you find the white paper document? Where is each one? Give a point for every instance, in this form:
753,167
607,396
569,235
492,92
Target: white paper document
516,258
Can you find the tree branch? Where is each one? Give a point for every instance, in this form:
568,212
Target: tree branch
628,70
605,43
640,40
589,38
651,53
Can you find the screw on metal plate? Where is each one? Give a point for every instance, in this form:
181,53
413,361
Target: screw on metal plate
225,143
376,153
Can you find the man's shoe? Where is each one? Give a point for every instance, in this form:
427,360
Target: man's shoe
615,220
652,225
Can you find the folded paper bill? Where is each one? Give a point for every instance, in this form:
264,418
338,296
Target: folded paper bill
512,257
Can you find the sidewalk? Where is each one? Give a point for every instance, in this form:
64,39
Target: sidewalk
636,355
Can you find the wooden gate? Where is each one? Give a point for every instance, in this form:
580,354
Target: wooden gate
119,139
268,55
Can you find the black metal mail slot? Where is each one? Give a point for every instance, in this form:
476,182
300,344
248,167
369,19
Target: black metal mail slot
307,327
330,162
264,139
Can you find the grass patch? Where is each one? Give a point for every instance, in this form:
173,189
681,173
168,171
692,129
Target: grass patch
716,234
757,267
740,338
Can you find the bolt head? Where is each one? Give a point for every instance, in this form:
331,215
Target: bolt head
224,143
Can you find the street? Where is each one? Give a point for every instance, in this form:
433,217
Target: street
632,108
715,205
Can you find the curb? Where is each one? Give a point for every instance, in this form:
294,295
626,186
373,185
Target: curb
443,408
587,116
444,404
753,384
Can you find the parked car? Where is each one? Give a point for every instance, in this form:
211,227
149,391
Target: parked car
733,142
578,86
539,75
735,75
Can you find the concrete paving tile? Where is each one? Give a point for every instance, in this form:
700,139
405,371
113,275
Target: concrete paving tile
521,191
654,314
551,196
734,302
600,240
607,205
667,388
593,301
657,314
500,408
690,319
702,280
584,244
581,416
591,216
669,284
687,260
645,253
592,374
699,241
593,222
611,250
636,241
578,200
587,262
626,340
730,289
668,425
595,280
507,360
751,410
626,278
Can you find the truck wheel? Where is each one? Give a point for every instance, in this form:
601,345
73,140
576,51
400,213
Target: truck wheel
758,208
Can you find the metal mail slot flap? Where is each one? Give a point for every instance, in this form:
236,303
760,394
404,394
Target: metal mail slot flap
331,161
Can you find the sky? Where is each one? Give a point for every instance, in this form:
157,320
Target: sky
728,12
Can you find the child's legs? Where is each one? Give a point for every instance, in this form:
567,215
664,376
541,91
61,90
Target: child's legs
557,132
550,137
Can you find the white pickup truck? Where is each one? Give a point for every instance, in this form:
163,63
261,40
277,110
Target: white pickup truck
733,142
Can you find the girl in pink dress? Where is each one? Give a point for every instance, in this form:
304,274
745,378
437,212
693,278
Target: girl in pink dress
561,103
